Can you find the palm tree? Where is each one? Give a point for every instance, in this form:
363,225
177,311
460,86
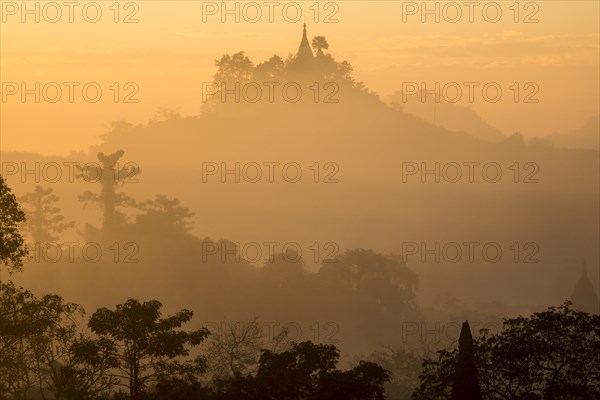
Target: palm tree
319,43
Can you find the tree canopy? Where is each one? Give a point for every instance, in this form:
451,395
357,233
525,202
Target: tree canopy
145,346
550,355
12,245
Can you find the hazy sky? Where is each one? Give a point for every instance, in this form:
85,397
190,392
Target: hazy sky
170,51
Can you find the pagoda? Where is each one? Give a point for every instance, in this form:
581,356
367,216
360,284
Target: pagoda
304,62
584,297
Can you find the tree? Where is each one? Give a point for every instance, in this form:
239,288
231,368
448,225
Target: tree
319,43
43,218
308,371
12,244
405,366
234,69
437,377
146,346
85,372
234,350
363,382
550,355
166,214
40,351
110,177
179,389
332,76
295,373
273,69
383,279
285,272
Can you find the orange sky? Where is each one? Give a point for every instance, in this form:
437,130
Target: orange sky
170,51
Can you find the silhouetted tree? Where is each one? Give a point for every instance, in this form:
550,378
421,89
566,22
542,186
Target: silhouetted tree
365,381
12,244
234,349
285,272
232,69
405,366
165,214
179,389
146,346
437,377
319,43
322,76
41,353
85,373
273,69
308,371
384,279
110,178
295,373
550,355
44,220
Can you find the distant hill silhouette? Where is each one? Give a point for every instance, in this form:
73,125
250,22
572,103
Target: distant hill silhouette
450,116
371,207
585,137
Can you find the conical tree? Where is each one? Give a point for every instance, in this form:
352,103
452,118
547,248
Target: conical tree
466,383
44,221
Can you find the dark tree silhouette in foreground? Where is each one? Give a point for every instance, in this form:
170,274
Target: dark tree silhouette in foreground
234,349
146,346
41,353
550,355
308,371
12,244
405,366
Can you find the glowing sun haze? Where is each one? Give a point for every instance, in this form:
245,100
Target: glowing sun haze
170,51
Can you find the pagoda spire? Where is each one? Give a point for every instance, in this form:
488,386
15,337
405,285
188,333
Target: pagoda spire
305,53
584,296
